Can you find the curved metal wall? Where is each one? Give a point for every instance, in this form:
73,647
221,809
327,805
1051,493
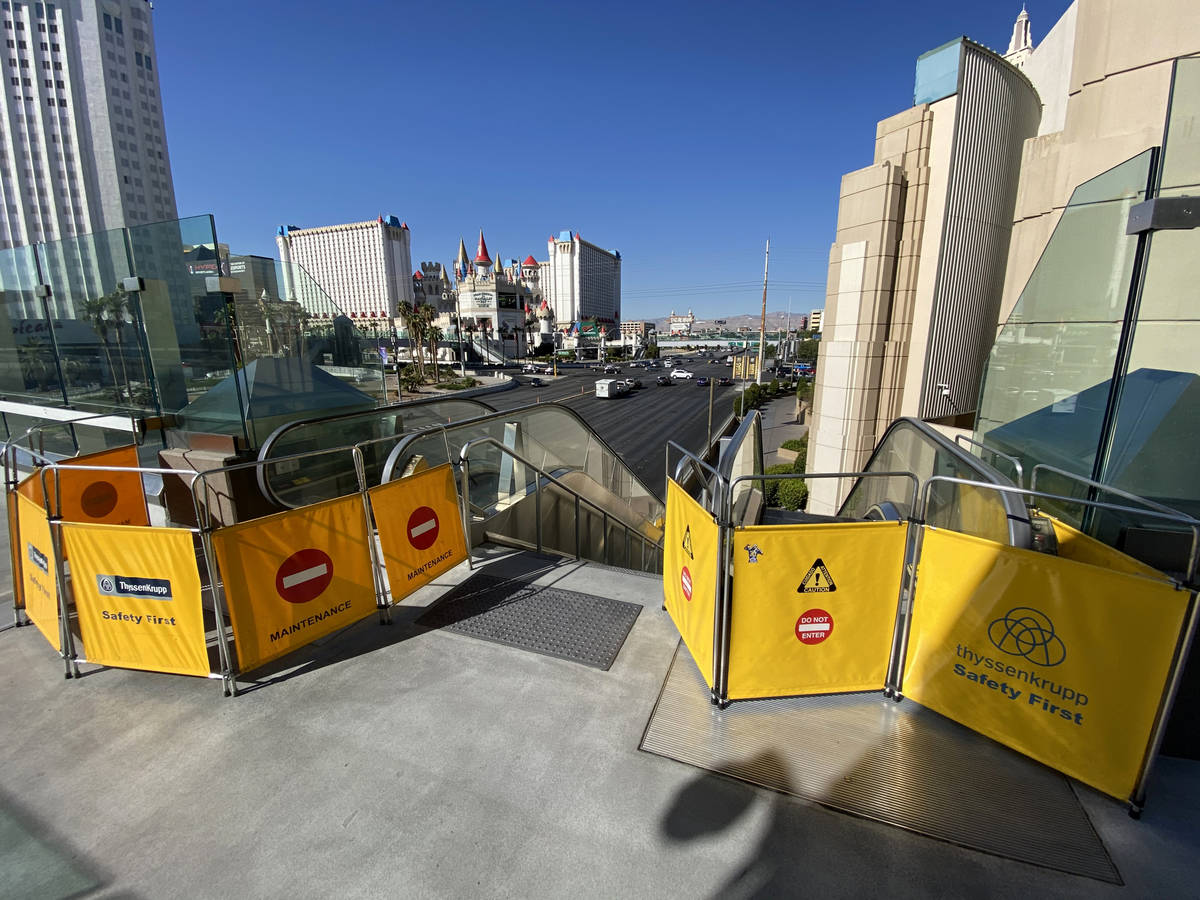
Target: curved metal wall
997,110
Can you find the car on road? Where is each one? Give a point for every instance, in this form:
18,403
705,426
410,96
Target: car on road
548,370
663,379
724,381
633,383
611,370
680,373
530,367
702,381
534,382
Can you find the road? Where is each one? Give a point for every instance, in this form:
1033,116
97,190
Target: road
636,425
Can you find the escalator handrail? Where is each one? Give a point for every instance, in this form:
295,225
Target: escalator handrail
1017,467
275,436
785,476
389,465
1019,531
751,423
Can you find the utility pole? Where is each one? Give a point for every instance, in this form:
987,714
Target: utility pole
762,328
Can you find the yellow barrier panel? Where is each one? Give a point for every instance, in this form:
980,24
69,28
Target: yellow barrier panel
420,530
38,585
1062,661
1074,544
109,498
294,577
690,574
814,607
137,591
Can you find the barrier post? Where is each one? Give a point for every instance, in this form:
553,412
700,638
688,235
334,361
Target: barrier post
54,520
360,472
465,479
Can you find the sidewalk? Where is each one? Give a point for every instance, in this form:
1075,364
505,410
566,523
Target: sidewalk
779,425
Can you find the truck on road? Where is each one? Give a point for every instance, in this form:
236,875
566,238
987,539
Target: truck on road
611,387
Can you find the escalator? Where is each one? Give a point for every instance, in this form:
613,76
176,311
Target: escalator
537,477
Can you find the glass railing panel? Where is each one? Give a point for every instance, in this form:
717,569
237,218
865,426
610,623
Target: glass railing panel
1050,371
28,349
375,431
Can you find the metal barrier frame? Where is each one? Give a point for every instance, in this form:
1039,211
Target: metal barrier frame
721,699
1016,463
722,590
1183,644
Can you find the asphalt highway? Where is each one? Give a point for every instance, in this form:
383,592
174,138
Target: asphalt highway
637,425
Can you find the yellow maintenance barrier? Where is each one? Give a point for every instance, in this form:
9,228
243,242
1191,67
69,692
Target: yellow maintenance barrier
34,552
1063,661
293,577
112,498
137,592
814,607
420,528
690,584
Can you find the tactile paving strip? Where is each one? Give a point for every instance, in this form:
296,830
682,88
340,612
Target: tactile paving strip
581,628
897,763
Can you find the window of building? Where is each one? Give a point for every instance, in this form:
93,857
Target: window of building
149,67
16,80
137,58
117,26
108,21
12,44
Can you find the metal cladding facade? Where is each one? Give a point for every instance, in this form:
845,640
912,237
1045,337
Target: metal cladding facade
997,110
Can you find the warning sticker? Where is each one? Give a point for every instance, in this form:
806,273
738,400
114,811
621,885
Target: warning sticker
814,626
687,542
817,581
685,583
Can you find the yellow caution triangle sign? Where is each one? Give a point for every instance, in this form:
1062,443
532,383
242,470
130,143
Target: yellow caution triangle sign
687,542
818,580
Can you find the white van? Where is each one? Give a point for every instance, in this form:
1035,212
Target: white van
611,387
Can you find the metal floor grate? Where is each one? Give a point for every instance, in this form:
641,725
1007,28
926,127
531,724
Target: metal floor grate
581,628
897,763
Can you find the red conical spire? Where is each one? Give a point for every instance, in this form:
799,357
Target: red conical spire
481,255
529,261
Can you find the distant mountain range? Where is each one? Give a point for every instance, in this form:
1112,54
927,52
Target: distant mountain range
776,321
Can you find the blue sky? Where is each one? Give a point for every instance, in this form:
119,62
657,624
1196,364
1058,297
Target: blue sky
681,134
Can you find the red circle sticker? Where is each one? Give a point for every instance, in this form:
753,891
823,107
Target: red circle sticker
685,582
423,528
304,575
814,626
98,499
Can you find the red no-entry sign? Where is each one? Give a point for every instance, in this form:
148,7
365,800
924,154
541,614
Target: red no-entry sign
685,582
423,528
814,626
304,575
98,499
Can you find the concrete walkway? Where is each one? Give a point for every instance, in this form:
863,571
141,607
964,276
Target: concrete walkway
395,761
780,423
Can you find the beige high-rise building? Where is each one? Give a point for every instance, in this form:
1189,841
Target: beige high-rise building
938,238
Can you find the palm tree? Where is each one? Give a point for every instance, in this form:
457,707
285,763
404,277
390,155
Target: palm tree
96,310
435,336
505,331
530,324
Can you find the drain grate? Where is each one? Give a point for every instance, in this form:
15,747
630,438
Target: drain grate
897,763
581,628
